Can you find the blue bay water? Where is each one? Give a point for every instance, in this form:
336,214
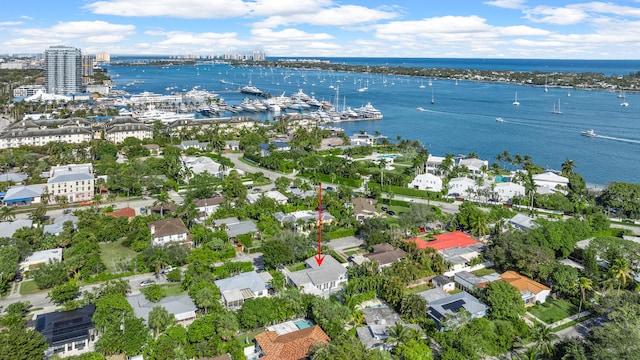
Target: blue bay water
463,117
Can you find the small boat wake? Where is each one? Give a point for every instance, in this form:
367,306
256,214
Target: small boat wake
617,139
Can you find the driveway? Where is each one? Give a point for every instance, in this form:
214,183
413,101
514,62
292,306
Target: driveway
345,243
272,175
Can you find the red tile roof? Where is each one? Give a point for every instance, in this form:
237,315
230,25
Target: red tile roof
291,346
128,212
445,241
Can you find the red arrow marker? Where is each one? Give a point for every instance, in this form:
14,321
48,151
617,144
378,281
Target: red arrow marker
319,258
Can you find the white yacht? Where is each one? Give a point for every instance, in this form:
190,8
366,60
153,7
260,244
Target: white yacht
588,133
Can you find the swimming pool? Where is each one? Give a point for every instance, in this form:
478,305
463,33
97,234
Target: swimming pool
388,156
303,323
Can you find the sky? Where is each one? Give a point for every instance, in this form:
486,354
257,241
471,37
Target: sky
517,29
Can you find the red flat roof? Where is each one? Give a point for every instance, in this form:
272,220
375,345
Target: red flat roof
445,241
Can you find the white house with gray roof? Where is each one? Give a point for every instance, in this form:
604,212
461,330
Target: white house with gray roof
235,227
522,222
248,285
24,195
76,182
321,280
58,224
306,216
181,307
447,309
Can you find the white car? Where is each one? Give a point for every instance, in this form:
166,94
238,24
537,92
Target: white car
145,283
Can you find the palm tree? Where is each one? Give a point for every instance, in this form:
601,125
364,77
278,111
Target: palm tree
567,167
544,338
162,199
399,334
7,214
620,271
159,320
585,284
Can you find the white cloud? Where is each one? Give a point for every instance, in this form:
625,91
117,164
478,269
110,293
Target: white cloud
507,4
11,23
80,29
556,15
347,15
287,7
187,9
26,17
268,35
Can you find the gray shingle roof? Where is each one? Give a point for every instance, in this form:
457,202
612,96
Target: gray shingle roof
182,307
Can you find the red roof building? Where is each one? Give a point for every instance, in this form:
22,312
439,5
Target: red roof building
291,346
445,241
128,212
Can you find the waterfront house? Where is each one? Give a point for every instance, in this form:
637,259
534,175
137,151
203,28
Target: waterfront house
166,231
477,167
68,333
532,291
248,285
428,182
434,163
317,279
290,346
364,139
550,182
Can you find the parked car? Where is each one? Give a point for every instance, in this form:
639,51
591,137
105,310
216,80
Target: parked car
383,208
391,212
330,188
167,270
145,283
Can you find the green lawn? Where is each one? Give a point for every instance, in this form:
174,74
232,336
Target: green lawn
553,310
297,266
113,253
420,288
30,287
483,272
173,289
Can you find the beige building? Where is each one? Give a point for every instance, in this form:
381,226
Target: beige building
42,132
76,182
123,127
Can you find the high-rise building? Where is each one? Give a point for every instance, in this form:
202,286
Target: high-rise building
87,65
63,70
103,57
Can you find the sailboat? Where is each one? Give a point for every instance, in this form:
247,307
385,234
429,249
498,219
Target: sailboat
624,102
557,111
545,84
433,99
421,85
516,102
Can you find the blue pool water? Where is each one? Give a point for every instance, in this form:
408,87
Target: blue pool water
388,156
303,323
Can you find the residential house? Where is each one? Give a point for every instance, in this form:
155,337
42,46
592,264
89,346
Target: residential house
477,167
319,279
378,320
445,241
443,282
549,181
181,307
385,254
8,228
427,181
208,206
235,227
58,224
505,191
41,257
434,163
193,144
13,178
232,145
364,208
273,194
248,285
433,294
307,217
68,333
461,187
167,231
291,346
127,212
457,248
447,310
154,149
198,165
24,195
522,222
265,149
75,182
532,291
120,128
364,139
470,282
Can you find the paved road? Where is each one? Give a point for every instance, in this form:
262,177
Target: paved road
272,175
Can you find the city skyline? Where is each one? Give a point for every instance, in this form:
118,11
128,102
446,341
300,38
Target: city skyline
541,29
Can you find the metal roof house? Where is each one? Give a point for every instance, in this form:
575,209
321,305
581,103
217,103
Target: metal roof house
248,285
24,195
319,279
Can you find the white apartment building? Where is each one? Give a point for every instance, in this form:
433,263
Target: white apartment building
42,132
76,182
124,127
